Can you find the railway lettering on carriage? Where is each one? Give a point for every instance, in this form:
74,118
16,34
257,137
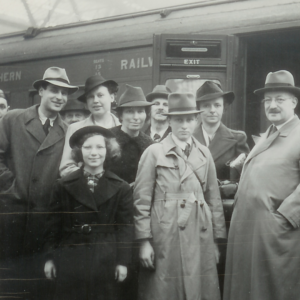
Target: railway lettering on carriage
136,63
10,76
191,61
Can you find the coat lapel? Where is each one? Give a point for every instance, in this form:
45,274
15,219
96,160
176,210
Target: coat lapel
198,134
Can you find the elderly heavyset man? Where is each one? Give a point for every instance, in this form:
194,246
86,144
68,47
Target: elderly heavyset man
263,248
74,111
31,145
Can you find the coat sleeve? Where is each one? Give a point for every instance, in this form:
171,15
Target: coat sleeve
67,165
241,147
124,219
143,193
213,199
6,176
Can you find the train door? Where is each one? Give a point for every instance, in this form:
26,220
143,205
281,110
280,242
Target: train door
185,62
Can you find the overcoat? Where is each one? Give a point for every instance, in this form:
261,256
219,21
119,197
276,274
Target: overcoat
226,146
29,162
263,247
86,261
182,218
148,132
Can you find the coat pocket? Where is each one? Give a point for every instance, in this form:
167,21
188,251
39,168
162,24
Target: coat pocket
282,222
165,211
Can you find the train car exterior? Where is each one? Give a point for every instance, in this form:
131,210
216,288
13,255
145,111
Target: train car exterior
254,36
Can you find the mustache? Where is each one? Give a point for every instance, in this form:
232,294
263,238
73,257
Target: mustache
274,110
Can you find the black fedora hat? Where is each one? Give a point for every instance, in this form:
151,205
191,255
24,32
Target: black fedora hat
211,90
159,91
281,80
92,82
74,104
182,104
78,134
133,97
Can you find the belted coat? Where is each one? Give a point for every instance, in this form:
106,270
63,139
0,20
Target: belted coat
263,245
181,217
86,257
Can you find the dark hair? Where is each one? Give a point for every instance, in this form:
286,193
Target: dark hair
43,85
113,150
112,88
120,111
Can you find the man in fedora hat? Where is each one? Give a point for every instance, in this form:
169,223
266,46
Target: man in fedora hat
159,127
263,247
178,212
31,145
74,111
98,96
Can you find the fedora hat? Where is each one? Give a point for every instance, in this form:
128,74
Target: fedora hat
56,76
92,82
182,104
159,91
281,80
74,104
133,97
77,135
211,90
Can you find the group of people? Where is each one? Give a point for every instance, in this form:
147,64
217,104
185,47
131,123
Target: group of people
95,204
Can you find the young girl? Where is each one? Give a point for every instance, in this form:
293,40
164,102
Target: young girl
89,229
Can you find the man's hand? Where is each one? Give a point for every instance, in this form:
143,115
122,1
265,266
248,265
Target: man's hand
147,255
50,269
120,273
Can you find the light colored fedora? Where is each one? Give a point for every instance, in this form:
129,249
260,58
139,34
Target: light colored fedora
281,80
159,91
182,104
56,76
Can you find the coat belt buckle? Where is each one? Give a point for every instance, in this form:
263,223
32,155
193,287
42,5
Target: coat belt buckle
86,228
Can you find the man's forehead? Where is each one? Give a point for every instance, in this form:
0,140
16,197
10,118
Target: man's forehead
278,94
75,111
217,100
160,100
3,101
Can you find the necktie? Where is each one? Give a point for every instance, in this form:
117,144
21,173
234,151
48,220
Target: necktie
156,138
187,150
46,126
273,129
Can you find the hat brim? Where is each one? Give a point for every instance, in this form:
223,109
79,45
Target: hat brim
294,90
178,113
77,135
82,98
227,96
135,104
72,89
86,111
152,96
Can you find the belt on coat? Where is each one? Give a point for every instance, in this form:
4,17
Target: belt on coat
91,228
186,202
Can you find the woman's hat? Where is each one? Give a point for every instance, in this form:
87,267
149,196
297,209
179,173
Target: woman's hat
56,76
92,82
133,97
280,80
211,90
182,104
77,135
159,91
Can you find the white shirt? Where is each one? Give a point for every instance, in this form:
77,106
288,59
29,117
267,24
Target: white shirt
281,125
207,137
180,143
43,118
160,133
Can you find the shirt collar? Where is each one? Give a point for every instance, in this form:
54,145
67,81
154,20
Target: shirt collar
43,118
180,143
289,120
207,137
160,133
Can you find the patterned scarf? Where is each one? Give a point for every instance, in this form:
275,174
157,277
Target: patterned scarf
92,180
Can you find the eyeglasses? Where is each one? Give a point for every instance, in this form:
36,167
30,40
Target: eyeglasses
279,101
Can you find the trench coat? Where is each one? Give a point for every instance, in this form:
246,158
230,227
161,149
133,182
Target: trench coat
182,218
226,146
263,247
86,261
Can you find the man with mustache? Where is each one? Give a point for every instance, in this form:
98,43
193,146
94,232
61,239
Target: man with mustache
31,146
263,245
159,127
74,111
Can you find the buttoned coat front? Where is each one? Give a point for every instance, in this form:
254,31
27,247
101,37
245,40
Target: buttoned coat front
182,218
263,246
29,162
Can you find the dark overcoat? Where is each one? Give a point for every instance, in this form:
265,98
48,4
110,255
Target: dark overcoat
226,146
29,162
131,150
86,261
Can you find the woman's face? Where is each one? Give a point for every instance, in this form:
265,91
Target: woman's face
99,101
133,118
212,111
94,152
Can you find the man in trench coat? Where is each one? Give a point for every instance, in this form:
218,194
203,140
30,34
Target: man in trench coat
31,145
263,246
178,212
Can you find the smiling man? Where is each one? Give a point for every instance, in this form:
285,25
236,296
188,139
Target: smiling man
263,244
31,145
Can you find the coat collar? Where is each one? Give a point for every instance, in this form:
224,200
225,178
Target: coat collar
75,183
34,127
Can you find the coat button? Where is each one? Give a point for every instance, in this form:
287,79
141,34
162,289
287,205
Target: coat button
204,228
201,204
182,205
181,227
34,179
